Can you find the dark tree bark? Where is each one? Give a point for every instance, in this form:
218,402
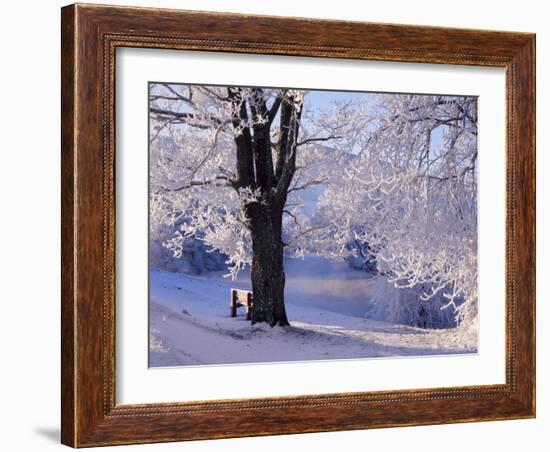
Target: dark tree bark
273,179
267,272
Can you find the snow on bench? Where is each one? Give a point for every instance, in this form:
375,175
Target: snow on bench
241,298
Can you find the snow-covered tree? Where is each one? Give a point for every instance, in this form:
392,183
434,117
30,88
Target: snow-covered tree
411,194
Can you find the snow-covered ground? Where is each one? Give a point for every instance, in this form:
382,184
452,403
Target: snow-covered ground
326,301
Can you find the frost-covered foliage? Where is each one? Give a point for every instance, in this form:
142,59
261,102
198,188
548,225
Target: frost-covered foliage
195,256
361,256
410,193
406,306
194,171
385,181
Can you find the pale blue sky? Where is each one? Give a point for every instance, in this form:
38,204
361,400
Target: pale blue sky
324,99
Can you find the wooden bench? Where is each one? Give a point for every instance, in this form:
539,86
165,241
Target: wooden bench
241,298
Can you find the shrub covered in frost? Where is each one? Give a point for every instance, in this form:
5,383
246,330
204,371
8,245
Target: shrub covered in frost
196,257
405,306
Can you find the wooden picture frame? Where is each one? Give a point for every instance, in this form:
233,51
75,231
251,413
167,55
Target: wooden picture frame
90,36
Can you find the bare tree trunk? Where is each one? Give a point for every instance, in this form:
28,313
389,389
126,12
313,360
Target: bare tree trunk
256,169
267,273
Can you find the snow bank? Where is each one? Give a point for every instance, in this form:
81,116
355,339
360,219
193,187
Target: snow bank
190,325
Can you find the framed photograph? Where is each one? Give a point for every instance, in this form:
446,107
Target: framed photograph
281,225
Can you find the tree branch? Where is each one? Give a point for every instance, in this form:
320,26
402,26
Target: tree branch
199,183
185,118
214,94
243,139
289,213
263,158
187,100
312,140
310,183
291,113
274,109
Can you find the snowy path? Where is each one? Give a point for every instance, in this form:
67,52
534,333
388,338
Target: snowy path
190,324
